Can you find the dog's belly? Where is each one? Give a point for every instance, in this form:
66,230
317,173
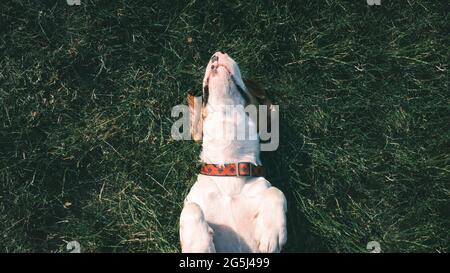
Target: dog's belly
230,206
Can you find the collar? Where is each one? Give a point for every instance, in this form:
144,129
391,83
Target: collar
242,169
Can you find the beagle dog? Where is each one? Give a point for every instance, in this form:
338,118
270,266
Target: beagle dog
231,207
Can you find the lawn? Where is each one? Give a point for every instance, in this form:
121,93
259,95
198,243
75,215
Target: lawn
86,94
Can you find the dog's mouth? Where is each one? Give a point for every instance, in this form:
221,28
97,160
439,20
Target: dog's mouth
215,64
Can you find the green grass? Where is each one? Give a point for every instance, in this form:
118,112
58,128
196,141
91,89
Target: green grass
85,99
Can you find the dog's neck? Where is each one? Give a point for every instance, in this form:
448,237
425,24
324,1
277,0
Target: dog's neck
222,141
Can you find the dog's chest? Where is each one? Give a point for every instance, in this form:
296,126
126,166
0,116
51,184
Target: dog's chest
230,205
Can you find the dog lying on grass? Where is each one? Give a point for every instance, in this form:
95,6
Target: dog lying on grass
231,207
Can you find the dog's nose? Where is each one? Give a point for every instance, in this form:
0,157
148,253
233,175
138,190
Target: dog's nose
218,54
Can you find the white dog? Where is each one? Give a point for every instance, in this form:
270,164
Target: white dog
231,207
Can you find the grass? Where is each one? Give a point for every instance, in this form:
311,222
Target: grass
85,99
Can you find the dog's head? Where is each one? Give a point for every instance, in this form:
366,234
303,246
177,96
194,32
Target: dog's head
223,85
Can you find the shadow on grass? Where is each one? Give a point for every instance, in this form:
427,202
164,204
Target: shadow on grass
300,236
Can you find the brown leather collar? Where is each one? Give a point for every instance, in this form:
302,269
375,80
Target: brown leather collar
244,169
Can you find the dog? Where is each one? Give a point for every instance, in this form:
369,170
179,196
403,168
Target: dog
231,207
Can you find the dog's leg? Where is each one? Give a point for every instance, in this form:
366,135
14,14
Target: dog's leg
195,234
270,228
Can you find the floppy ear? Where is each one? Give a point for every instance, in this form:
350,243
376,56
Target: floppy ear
195,116
257,91
258,96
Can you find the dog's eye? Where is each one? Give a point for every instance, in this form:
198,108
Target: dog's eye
205,95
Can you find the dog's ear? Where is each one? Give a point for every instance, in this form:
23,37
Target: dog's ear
256,91
258,96
195,116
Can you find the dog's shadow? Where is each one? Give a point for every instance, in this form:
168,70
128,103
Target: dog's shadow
279,172
226,240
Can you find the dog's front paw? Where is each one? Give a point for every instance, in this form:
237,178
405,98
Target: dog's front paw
270,229
271,240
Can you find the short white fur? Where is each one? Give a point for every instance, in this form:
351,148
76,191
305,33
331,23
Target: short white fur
230,214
